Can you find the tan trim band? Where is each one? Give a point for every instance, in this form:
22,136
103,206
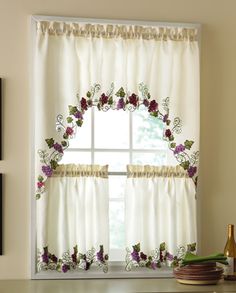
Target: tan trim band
147,171
72,170
110,31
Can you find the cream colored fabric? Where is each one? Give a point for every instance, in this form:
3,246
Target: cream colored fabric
74,211
160,209
147,171
66,64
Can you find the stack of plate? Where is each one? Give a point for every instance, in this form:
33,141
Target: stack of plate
199,274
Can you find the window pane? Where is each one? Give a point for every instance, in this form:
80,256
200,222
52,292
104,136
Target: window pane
117,186
159,158
111,129
83,135
147,131
116,161
76,158
116,221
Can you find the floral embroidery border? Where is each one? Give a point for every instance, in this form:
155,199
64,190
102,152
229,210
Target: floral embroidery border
74,262
120,100
159,257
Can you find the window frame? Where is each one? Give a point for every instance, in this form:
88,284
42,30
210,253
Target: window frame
116,269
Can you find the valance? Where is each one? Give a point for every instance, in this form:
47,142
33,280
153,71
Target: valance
110,31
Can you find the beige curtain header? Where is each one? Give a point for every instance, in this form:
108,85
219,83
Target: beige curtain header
72,170
147,171
109,31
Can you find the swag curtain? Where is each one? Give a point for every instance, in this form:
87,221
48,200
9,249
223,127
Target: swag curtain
70,57
74,210
160,207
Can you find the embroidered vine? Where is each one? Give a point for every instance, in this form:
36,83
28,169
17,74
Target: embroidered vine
158,258
120,100
74,262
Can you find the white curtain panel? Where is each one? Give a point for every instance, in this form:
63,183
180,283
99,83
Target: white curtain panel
160,207
74,210
68,62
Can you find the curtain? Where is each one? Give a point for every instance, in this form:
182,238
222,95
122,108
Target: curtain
74,210
70,57
160,207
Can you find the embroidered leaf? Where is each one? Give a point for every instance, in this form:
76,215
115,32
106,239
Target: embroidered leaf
69,119
72,110
79,122
171,138
38,196
110,101
173,145
65,135
185,165
64,143
88,94
40,178
191,247
137,247
53,164
188,144
162,246
121,93
154,114
50,142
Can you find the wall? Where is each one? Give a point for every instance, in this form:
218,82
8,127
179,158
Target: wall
217,197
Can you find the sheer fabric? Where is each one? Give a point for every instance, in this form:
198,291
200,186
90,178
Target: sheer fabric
160,207
74,210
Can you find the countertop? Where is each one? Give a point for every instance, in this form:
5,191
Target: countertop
110,286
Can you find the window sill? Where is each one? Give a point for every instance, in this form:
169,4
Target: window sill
116,271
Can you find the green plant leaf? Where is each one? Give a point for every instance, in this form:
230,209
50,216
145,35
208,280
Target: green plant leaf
188,144
50,142
69,119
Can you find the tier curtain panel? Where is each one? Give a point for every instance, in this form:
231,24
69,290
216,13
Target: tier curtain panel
74,210
160,207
